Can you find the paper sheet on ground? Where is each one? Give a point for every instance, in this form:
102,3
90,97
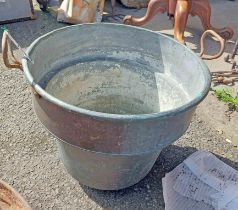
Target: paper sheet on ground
201,182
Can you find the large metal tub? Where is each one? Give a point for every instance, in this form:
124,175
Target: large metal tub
114,96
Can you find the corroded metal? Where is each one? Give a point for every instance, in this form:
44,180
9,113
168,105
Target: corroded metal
113,102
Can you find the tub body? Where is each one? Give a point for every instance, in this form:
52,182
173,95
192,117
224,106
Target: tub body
105,171
127,94
108,154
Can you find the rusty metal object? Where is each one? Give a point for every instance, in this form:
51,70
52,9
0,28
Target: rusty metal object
5,48
202,42
113,103
225,77
10,199
230,57
231,76
178,11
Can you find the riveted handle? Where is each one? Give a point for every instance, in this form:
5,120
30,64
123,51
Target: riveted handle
16,64
202,42
5,49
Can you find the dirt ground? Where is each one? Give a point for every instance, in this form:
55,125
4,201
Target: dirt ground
28,154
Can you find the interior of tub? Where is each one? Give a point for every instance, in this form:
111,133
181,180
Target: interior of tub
116,69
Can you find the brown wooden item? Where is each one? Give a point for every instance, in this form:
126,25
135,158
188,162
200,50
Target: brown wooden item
178,11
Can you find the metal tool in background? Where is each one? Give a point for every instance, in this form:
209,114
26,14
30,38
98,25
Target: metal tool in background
231,57
231,76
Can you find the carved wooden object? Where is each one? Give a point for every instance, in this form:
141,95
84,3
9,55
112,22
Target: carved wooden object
178,11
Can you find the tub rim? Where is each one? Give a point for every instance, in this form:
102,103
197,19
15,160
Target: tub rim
172,112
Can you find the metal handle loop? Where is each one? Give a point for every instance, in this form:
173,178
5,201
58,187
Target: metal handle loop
5,47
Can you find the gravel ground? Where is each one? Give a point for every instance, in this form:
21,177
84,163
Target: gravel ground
28,154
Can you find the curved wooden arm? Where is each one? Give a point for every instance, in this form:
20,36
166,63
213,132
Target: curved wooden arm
154,7
202,42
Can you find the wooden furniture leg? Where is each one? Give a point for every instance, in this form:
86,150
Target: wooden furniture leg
154,7
202,9
181,18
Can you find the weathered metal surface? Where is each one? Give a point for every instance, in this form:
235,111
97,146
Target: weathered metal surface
110,135
114,101
106,171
